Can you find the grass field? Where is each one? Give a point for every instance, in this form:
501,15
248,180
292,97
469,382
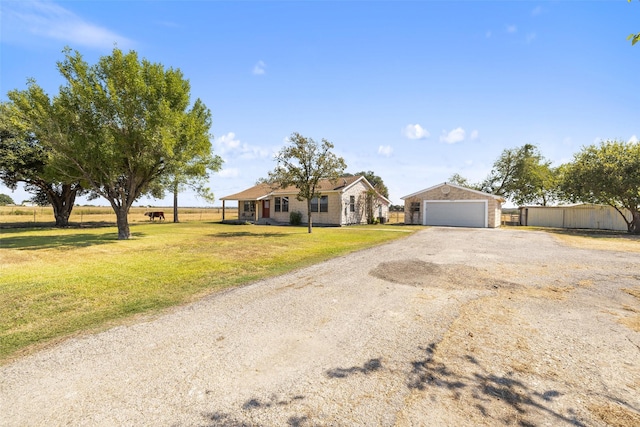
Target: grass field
43,216
55,283
39,215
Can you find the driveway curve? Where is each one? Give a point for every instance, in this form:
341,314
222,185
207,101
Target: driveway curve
449,326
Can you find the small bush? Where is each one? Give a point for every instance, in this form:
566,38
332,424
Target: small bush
295,218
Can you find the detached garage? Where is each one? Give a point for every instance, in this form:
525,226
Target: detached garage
454,206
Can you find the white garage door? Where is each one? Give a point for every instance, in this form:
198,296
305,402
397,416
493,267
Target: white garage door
456,213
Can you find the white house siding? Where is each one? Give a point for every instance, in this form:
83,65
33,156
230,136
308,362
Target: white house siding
597,217
359,216
493,205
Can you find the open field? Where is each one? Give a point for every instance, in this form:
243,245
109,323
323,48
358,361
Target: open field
57,282
43,215
605,240
449,326
82,215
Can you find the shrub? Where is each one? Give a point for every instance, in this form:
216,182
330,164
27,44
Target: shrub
295,218
6,200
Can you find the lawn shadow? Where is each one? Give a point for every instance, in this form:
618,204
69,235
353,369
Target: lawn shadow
247,234
61,241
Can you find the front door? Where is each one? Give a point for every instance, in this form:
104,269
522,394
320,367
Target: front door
265,209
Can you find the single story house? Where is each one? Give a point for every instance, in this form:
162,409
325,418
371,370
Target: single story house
598,217
341,202
452,205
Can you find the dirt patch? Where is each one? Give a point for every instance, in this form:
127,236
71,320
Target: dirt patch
616,415
603,241
428,274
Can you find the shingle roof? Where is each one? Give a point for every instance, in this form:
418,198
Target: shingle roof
260,191
500,198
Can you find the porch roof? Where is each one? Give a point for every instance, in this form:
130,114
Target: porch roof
263,191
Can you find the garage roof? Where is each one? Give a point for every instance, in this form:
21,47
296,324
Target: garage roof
501,199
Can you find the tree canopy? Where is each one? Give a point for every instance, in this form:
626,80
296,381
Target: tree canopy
192,158
375,181
522,175
25,156
127,124
608,173
5,200
303,163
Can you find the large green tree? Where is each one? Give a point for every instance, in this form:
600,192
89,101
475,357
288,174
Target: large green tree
608,173
25,158
127,119
522,175
192,160
303,163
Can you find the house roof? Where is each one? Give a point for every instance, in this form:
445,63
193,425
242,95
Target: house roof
263,191
501,199
257,192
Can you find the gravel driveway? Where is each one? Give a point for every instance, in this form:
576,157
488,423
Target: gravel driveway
450,326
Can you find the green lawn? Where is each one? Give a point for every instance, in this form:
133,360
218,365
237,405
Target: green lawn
58,282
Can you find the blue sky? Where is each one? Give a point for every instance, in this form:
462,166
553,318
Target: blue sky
414,91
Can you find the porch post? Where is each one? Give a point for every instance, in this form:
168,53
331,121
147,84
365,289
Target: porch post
223,210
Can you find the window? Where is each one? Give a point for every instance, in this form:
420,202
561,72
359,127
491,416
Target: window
323,205
249,206
415,206
352,203
282,204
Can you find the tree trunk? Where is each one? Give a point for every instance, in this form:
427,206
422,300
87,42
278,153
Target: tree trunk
309,215
123,223
175,203
62,203
634,225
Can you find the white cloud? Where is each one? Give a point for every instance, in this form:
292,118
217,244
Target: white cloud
229,173
49,20
415,132
230,145
511,29
530,37
227,142
488,34
474,135
456,135
634,139
385,150
259,68
536,11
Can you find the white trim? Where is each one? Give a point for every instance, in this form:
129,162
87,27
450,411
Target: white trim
486,208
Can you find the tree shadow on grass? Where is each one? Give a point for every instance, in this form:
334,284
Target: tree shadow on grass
60,241
247,234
